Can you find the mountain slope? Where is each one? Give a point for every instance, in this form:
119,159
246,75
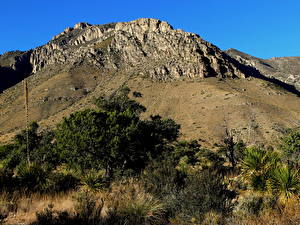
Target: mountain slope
167,66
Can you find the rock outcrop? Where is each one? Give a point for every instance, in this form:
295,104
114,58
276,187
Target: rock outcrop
152,48
162,52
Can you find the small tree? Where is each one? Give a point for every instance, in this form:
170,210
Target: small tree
232,150
113,137
99,139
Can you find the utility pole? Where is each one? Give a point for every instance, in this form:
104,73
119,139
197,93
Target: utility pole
27,116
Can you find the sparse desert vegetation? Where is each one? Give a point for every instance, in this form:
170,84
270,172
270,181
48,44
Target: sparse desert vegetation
108,165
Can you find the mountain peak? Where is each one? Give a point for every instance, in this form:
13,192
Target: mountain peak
139,42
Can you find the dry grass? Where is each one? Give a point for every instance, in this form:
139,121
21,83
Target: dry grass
125,200
129,198
205,108
23,208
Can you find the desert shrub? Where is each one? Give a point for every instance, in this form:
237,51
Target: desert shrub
40,148
161,178
13,158
231,150
119,102
137,94
289,214
7,181
112,140
31,177
290,145
253,204
4,211
99,140
60,182
94,180
203,192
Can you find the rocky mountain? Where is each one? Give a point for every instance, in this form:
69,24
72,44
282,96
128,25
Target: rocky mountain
179,74
285,69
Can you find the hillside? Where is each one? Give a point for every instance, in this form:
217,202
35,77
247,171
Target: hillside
179,75
285,69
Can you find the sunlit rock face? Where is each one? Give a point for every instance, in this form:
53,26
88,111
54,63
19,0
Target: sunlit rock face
163,52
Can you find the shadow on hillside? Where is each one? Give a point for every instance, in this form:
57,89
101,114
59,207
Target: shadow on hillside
253,72
9,78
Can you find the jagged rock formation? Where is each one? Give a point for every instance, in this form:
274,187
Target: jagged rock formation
87,60
285,69
153,46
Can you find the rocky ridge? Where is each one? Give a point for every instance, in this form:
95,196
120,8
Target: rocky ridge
160,51
285,69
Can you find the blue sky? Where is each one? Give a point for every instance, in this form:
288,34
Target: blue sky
263,28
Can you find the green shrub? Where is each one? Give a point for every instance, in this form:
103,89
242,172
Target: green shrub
31,177
94,180
290,145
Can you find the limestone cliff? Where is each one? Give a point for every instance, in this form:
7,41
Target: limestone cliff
162,52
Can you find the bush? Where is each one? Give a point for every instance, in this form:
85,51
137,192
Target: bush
7,181
94,180
60,182
203,192
258,165
284,182
161,178
31,177
290,145
253,204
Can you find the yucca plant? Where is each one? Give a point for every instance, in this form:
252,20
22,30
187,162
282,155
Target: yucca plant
257,165
284,182
94,180
31,177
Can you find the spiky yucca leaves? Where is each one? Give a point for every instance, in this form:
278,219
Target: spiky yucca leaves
95,180
284,182
32,177
257,166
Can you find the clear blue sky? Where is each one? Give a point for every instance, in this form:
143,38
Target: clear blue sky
263,28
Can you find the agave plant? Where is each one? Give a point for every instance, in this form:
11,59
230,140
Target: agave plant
285,182
257,166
